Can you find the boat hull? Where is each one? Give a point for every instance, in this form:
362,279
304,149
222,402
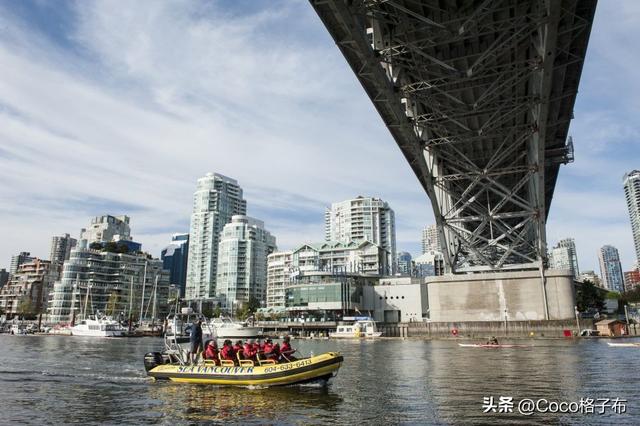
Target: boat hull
97,333
355,336
624,345
469,345
317,368
238,333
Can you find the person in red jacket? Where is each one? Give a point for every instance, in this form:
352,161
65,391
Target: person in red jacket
211,352
271,351
239,349
255,347
248,351
286,351
227,351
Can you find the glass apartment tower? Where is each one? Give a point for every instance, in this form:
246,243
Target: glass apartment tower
216,200
363,219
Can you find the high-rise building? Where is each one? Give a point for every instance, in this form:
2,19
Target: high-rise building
564,256
106,228
61,248
363,219
610,268
279,268
28,290
631,279
242,261
18,260
333,259
216,200
431,239
117,284
174,259
632,194
404,263
4,277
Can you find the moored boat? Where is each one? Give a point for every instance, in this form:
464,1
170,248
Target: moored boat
490,346
624,345
226,328
318,368
98,327
363,327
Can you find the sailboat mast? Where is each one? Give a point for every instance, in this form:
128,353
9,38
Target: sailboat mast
131,297
155,299
144,283
86,300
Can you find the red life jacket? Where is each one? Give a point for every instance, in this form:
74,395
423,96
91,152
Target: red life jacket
286,348
248,350
228,353
268,348
211,353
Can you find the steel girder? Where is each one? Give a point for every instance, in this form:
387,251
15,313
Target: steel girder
478,96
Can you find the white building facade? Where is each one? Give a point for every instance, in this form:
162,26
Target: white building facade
216,200
363,219
330,258
431,239
564,256
106,228
242,261
399,299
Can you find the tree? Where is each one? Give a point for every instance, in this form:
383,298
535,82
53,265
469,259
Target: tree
112,304
95,246
631,296
25,307
589,297
253,305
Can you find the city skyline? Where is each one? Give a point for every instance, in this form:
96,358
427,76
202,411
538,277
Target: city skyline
161,128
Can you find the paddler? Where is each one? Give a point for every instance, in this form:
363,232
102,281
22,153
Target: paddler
493,341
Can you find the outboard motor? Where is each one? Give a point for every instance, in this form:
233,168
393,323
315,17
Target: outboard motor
152,360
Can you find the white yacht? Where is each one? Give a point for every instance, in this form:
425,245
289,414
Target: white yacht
226,328
179,326
362,327
98,327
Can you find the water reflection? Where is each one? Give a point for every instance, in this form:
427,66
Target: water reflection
209,403
56,380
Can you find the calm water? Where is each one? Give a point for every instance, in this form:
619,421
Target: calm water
57,379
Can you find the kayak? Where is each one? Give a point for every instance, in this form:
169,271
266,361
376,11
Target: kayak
625,345
313,369
476,345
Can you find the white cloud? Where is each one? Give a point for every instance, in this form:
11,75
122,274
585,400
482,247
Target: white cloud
156,94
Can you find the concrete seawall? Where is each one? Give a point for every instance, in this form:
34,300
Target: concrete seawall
484,329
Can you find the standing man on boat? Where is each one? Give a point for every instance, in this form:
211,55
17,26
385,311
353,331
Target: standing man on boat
195,339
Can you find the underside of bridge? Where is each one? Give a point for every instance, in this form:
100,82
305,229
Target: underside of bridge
478,95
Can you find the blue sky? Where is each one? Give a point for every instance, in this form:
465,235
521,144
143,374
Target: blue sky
119,110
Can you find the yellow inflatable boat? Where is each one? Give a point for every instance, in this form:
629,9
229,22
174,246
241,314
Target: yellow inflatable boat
316,368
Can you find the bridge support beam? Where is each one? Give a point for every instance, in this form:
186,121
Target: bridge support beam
501,296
